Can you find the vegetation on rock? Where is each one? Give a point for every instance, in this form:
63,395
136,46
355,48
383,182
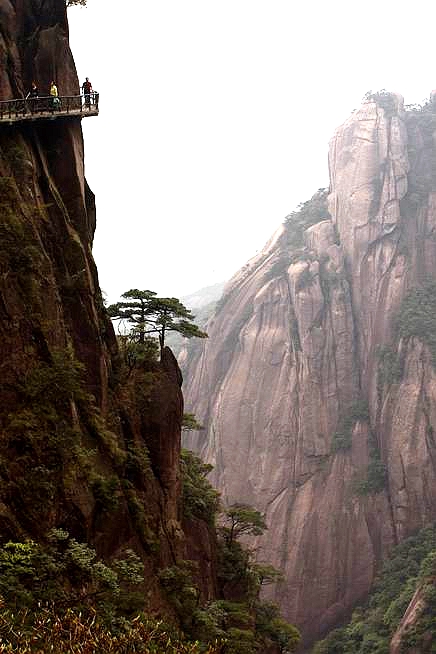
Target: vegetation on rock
200,499
384,99
342,438
240,520
69,573
237,618
148,314
59,596
307,214
190,423
389,367
417,317
420,635
372,626
47,630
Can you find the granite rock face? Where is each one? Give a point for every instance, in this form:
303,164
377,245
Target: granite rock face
83,445
34,47
305,418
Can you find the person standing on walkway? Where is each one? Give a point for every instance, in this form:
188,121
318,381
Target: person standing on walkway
32,97
33,93
87,89
54,95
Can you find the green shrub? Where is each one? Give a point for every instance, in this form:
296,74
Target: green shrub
233,562
273,629
69,573
105,491
190,423
200,499
139,355
20,254
376,478
240,641
140,519
389,366
384,99
342,438
181,590
56,382
307,214
138,466
417,317
107,440
40,439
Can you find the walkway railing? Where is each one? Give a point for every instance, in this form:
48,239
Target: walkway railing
49,107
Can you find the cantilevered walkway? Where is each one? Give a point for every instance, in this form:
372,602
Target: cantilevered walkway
48,108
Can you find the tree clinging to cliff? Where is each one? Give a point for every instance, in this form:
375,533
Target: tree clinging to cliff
242,519
150,315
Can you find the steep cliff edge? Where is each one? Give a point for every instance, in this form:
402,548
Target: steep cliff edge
83,446
317,385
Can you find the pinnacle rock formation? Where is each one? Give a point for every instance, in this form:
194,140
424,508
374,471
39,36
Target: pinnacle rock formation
317,385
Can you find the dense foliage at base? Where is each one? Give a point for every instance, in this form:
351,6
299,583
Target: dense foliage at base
46,630
236,619
412,564
59,593
60,597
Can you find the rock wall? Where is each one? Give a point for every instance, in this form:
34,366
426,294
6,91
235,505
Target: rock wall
83,445
305,418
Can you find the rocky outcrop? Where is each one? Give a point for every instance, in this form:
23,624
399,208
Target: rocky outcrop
34,47
414,635
84,444
315,386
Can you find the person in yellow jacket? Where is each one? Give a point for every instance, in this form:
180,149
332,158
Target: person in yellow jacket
55,96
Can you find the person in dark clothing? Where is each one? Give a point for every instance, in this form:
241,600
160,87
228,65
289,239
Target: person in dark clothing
87,89
32,97
33,93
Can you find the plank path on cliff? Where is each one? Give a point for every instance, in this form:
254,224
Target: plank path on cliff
43,108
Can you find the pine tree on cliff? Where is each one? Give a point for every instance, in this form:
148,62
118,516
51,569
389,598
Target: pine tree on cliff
151,315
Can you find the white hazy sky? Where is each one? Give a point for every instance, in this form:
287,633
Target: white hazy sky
215,117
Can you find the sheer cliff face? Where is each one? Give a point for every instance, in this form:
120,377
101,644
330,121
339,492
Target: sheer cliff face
75,436
34,47
304,416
